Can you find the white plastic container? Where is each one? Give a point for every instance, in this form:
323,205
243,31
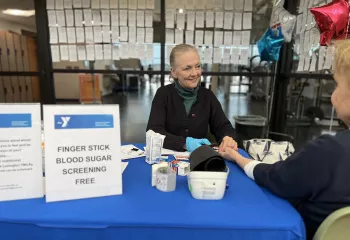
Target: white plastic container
207,185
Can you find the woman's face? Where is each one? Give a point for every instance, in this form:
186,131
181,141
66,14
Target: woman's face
187,69
341,98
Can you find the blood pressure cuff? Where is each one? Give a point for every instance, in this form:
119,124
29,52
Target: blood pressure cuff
205,158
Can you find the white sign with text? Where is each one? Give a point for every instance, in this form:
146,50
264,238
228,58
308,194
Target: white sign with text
82,151
21,172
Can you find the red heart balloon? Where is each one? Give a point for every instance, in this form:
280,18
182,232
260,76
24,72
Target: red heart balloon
332,20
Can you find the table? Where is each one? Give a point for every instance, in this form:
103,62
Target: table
247,211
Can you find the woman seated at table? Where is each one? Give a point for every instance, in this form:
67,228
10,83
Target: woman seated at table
316,178
183,110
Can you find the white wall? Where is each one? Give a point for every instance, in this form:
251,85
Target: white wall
14,27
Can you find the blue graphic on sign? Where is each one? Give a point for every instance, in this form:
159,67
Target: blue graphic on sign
84,121
15,120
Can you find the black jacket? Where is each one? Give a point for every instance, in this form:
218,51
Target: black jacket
315,179
168,117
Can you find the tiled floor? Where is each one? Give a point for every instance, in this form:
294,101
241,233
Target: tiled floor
135,108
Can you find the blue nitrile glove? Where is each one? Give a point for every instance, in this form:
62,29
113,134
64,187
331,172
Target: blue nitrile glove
194,143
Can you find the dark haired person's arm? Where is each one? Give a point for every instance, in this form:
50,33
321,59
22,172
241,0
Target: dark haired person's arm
156,122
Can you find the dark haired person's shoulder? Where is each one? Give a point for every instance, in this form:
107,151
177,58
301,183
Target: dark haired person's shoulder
343,138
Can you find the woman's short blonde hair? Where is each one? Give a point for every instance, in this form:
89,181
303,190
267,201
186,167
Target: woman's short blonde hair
180,49
342,57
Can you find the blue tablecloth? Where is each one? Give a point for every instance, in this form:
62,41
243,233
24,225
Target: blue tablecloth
142,212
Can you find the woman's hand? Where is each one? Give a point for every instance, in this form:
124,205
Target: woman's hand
228,142
230,154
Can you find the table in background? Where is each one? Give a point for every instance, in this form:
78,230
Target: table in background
142,212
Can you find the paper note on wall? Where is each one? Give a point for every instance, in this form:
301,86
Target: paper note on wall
209,19
180,20
189,37
78,14
55,53
53,35
149,19
200,19
228,18
235,56
169,36
226,56
87,17
78,4
116,53
219,20
89,36
115,18
64,52
190,20
61,19
238,21
90,52
227,38
105,17
141,4
132,34
123,18
106,34
124,34
104,4
98,52
140,35
81,53
72,53
140,18
149,53
107,51
71,35
179,36
97,34
208,38
96,17
247,20
69,18
199,37
62,35
51,14
115,34
218,38
169,18
149,35
217,55
237,36
150,5
132,18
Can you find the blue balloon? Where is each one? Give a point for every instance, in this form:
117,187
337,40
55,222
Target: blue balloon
270,44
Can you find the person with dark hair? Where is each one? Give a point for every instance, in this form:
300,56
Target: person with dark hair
183,111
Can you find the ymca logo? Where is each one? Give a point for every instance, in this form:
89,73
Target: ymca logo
65,121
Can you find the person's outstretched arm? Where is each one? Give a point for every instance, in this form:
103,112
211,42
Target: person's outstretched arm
157,119
300,176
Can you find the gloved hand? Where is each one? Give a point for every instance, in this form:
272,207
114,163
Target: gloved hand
194,143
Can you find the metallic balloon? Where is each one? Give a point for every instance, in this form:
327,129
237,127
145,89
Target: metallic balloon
270,44
281,17
332,20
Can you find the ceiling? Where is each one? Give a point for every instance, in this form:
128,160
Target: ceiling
18,4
